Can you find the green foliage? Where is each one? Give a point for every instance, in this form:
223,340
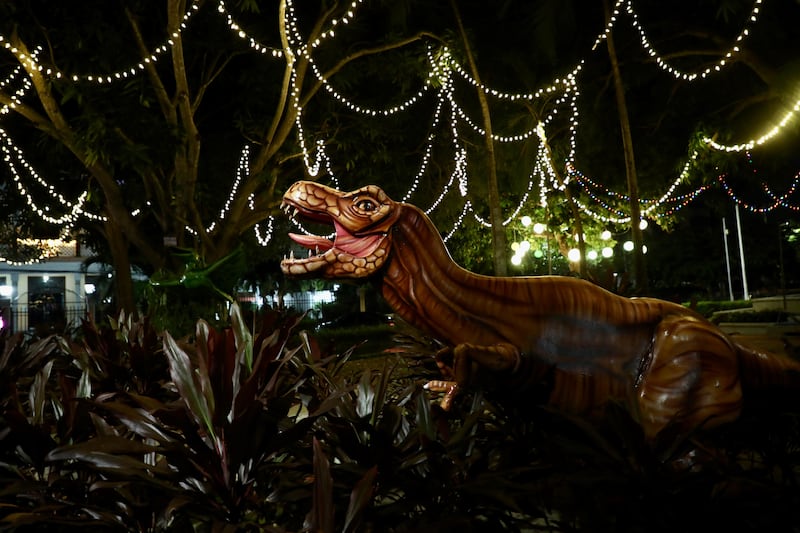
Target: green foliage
366,341
762,317
709,307
125,429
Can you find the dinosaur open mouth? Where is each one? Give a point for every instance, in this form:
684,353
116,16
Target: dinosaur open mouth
343,240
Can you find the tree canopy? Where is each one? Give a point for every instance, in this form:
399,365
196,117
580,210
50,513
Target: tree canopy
177,126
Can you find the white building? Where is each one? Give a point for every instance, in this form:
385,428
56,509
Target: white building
50,295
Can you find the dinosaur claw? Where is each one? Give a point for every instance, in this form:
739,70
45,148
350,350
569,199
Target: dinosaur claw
449,388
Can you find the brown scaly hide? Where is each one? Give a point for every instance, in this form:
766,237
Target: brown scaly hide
577,342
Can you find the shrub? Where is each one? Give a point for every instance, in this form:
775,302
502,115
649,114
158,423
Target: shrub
708,307
127,429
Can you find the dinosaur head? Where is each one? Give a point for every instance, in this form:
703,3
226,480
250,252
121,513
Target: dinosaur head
361,220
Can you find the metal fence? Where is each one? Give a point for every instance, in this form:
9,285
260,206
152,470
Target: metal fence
43,321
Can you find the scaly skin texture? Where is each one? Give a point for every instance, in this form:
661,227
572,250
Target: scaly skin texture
573,344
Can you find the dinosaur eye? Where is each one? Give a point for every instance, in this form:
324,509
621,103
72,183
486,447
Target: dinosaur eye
366,205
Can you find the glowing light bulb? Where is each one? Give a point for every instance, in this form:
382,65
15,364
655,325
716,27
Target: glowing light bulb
574,255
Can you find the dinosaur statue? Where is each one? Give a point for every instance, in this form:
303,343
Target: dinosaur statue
573,343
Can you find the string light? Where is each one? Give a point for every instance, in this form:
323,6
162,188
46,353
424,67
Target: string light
33,66
726,58
242,169
777,201
769,135
251,41
11,153
442,65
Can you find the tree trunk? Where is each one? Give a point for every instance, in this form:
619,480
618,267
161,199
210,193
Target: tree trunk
499,241
123,281
640,282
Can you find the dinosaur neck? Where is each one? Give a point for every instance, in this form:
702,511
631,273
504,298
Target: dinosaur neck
422,283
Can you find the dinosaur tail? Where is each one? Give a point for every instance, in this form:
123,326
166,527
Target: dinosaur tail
769,377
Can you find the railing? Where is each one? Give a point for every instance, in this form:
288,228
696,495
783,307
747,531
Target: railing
39,320
44,321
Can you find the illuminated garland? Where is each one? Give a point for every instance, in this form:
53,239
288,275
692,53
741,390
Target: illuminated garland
11,153
774,131
251,41
777,201
32,65
728,56
440,70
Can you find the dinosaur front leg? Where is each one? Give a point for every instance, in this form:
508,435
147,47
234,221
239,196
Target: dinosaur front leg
468,359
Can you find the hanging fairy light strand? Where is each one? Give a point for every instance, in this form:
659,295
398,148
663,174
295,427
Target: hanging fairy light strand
690,76
763,139
777,201
54,72
11,153
254,43
242,169
440,69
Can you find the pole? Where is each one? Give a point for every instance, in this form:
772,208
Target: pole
727,258
741,254
780,257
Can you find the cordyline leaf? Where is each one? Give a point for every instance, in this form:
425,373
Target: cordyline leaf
84,385
244,339
122,464
360,498
186,379
12,342
52,516
366,395
322,501
37,395
236,384
203,380
37,352
110,444
424,419
202,332
380,393
139,421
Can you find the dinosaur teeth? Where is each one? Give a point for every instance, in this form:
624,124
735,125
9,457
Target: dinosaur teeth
289,210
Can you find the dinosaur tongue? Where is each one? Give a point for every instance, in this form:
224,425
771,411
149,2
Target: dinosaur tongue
355,246
312,242
344,241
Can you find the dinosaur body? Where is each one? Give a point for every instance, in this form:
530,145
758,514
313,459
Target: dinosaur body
574,342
